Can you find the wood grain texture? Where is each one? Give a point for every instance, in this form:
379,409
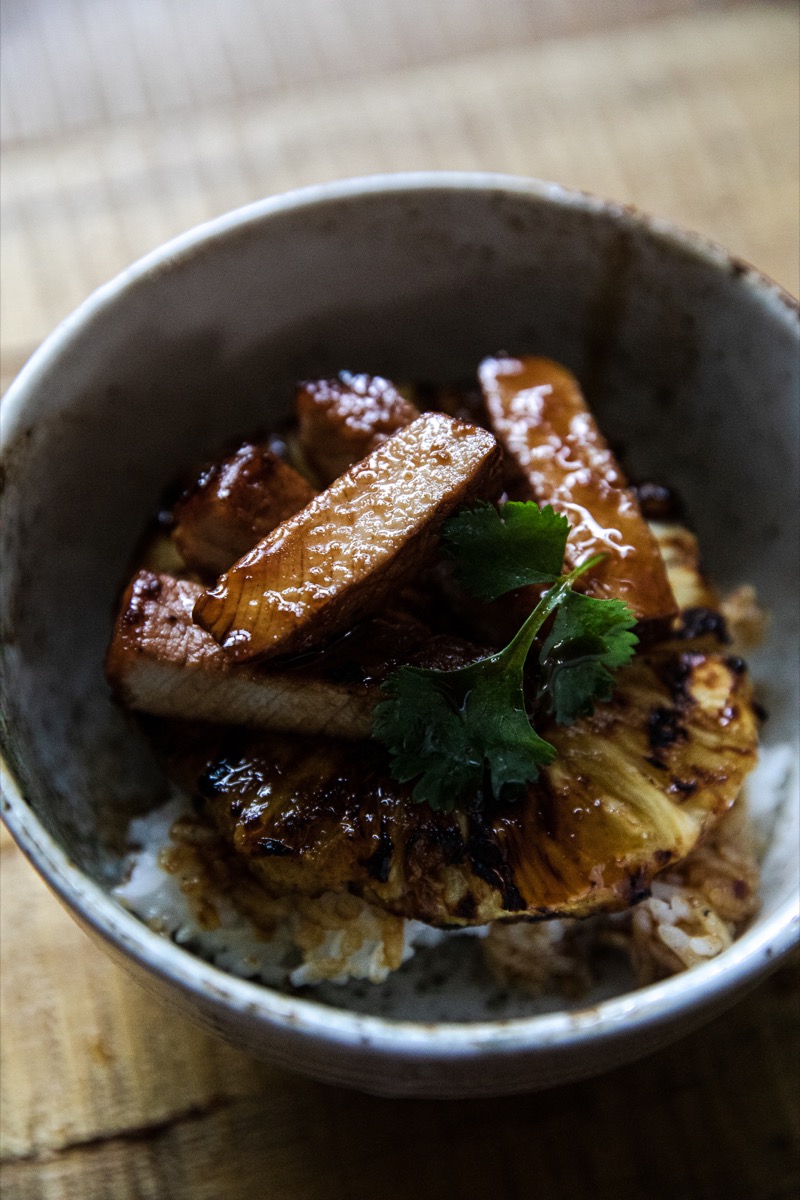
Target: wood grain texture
74,63
108,1093
695,119
125,124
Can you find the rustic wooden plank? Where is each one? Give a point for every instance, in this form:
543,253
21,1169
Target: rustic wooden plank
683,124
74,63
108,1093
82,1043
104,1092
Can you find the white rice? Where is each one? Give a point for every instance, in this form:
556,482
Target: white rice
335,937
695,911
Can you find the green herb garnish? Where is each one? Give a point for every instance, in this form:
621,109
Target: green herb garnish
588,641
467,734
499,549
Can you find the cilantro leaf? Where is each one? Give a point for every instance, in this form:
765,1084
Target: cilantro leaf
589,640
499,549
420,725
460,732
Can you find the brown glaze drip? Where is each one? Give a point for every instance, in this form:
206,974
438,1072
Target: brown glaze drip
379,862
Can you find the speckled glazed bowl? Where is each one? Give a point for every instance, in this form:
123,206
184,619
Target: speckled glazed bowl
691,361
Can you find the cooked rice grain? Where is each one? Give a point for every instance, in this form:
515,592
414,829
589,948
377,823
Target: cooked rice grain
186,884
540,957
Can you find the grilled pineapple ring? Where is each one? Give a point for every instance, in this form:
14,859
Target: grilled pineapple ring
633,788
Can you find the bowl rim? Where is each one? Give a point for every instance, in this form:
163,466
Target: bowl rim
717,981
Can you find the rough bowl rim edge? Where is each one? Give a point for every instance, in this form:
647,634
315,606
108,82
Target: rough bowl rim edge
753,955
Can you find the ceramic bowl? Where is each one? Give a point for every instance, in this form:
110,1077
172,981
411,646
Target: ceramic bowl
690,359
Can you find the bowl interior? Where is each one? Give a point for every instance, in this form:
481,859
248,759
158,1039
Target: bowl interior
689,361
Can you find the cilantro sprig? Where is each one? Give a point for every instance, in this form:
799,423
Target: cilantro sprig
466,735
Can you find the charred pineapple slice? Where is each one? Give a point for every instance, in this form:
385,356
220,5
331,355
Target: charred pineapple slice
681,554
643,778
633,789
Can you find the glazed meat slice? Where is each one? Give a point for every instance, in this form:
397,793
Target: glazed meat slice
354,545
559,457
699,619
233,505
161,663
633,788
341,420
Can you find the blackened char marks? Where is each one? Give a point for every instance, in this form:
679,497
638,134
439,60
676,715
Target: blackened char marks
379,862
431,840
466,907
656,762
432,846
658,502
635,887
704,622
663,731
664,728
487,858
271,847
676,673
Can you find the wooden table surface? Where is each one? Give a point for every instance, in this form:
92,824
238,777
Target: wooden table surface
126,123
